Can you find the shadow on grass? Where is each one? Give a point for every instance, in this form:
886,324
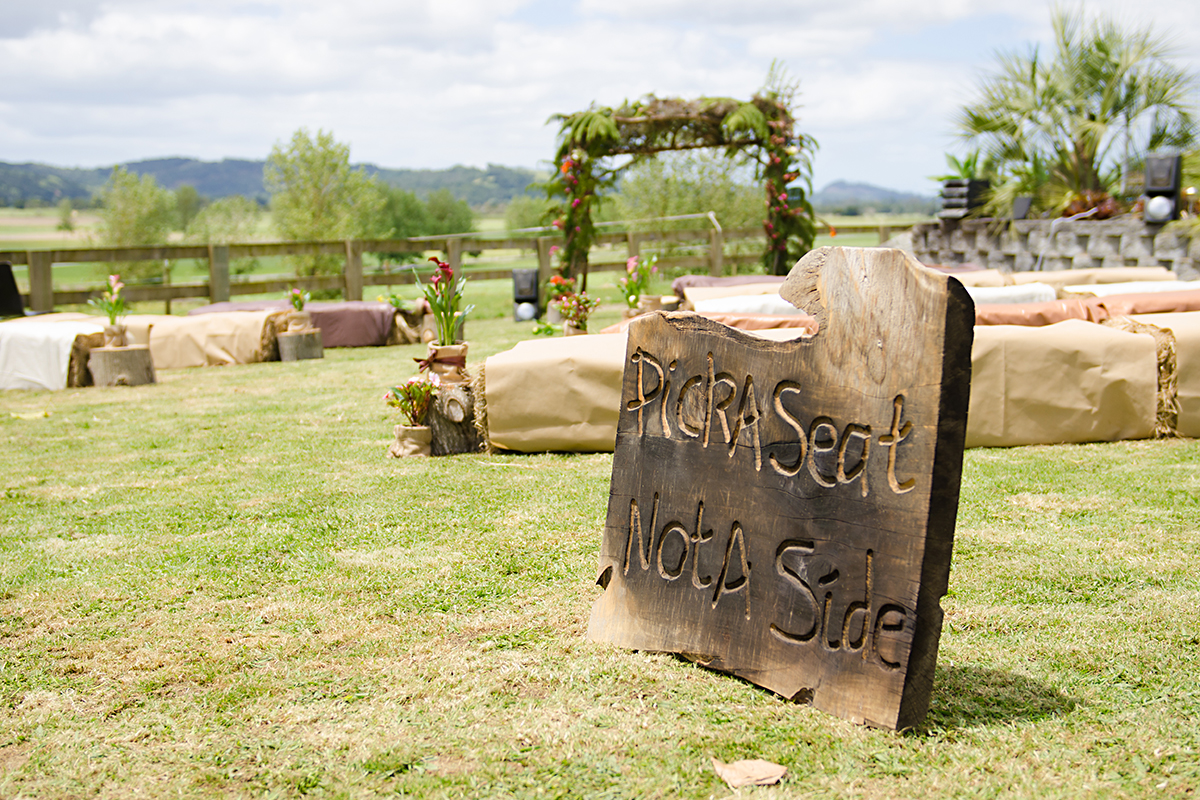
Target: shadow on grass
967,697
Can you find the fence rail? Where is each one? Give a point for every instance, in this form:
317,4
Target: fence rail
220,287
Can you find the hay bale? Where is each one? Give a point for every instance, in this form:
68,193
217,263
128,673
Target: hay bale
1167,417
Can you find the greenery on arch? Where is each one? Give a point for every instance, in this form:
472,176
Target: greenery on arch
761,130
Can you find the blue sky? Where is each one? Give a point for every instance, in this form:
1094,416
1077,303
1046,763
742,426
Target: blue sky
421,84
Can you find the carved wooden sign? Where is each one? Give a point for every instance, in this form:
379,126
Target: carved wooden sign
784,511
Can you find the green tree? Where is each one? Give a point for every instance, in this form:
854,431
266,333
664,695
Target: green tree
448,215
136,212
1076,121
690,183
188,203
524,211
66,215
230,219
405,215
316,196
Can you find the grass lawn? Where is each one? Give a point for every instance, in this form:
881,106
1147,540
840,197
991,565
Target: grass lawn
220,586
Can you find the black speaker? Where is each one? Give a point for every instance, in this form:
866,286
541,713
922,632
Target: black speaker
1164,179
10,297
961,196
525,294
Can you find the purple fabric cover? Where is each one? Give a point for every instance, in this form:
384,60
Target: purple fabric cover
351,323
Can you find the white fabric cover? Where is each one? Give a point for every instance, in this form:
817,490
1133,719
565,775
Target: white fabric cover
698,294
748,304
1136,287
35,354
1027,293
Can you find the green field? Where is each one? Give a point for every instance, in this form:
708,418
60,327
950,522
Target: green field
219,586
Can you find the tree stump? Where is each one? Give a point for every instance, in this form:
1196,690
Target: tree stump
121,366
452,419
299,345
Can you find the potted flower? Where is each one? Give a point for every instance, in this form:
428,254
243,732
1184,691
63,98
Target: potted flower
299,340
575,310
112,304
447,353
118,363
413,398
298,319
557,288
635,285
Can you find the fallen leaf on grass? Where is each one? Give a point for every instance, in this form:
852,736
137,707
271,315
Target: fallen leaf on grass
30,415
752,772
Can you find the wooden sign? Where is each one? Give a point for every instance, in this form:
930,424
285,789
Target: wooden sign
784,511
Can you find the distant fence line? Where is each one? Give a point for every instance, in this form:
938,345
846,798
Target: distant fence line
219,287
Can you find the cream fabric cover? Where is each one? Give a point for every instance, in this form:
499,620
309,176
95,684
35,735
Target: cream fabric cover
1093,276
232,337
564,394
1073,381
1186,328
556,394
35,352
982,277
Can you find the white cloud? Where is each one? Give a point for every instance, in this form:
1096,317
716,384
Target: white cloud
431,83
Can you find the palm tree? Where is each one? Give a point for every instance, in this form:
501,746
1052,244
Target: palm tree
1075,123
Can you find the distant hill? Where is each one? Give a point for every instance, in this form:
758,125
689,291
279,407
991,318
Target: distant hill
479,187
41,184
856,198
20,183
213,179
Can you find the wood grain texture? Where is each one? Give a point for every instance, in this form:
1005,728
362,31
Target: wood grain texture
452,420
301,345
785,510
121,366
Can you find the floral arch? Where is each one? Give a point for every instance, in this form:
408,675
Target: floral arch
761,129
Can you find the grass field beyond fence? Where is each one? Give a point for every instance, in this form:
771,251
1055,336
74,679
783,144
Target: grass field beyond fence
219,586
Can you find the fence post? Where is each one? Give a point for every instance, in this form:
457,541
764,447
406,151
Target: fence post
41,280
354,272
545,262
167,282
218,273
454,254
634,243
716,253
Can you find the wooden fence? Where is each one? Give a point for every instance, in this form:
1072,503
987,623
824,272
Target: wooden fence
42,295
